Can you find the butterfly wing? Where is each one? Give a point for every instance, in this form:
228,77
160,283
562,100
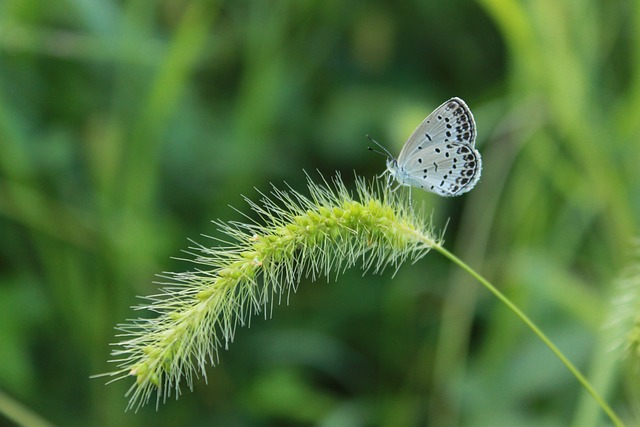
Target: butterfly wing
450,122
440,156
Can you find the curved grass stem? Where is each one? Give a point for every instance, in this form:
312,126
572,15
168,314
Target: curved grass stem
536,330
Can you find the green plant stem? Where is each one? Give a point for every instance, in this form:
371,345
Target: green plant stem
19,413
576,373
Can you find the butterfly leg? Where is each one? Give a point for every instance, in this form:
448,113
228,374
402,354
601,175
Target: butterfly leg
389,180
410,199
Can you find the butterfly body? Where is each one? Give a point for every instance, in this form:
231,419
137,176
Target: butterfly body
440,154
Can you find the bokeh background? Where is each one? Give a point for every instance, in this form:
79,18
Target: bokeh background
125,127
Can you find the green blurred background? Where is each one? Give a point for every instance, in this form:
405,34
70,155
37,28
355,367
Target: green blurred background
125,127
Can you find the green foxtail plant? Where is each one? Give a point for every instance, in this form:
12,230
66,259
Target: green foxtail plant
295,237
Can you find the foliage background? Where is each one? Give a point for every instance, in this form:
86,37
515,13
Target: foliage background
125,127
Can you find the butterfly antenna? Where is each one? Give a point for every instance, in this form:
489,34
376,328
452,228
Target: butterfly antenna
384,151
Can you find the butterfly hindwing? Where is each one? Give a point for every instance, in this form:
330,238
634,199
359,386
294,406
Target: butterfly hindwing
454,170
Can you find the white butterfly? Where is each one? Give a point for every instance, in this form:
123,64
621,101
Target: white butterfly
440,155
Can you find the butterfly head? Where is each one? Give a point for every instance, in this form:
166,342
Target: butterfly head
392,162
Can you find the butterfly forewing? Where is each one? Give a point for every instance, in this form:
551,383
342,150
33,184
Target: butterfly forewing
450,122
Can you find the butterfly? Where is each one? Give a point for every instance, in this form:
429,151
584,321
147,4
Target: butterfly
440,154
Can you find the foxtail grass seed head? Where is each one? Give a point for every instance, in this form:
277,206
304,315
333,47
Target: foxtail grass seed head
259,262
